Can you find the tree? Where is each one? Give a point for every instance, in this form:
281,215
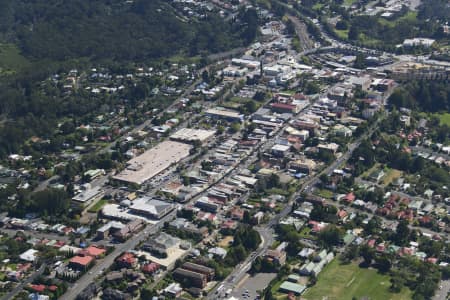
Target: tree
342,25
330,236
368,254
353,33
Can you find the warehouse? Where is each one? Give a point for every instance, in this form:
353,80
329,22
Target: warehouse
192,135
153,161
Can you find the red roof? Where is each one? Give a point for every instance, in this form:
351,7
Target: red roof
350,197
150,268
81,260
283,106
52,288
38,287
127,258
371,243
94,251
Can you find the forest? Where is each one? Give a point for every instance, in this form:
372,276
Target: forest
61,30
56,36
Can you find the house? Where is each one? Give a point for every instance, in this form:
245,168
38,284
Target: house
173,290
278,257
218,251
29,255
127,260
150,268
377,175
93,251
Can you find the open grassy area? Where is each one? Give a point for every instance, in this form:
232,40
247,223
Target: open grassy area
444,118
97,206
343,282
409,16
10,59
349,2
391,175
343,34
324,193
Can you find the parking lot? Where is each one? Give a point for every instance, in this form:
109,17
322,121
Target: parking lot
249,288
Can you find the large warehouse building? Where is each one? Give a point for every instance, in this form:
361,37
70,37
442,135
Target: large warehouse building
190,135
153,161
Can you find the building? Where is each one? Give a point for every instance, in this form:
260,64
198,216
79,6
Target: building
93,251
126,231
206,205
280,150
285,108
153,161
161,243
110,227
87,197
331,147
290,287
208,272
224,114
29,255
152,208
190,278
277,256
190,135
81,262
304,165
127,260
173,290
424,42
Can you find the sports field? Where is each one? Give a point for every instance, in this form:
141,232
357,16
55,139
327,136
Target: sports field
343,282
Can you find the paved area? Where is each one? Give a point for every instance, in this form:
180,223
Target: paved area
252,284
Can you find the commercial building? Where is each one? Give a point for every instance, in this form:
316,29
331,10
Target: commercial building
153,161
208,272
152,208
304,165
290,287
87,197
224,114
192,135
195,279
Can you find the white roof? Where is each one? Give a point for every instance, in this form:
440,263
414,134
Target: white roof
29,255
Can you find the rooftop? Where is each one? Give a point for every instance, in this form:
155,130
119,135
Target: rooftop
153,162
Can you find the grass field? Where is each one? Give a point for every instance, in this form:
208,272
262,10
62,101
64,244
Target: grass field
10,59
342,282
97,206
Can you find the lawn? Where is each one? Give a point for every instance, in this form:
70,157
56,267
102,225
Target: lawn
324,193
391,175
343,282
444,118
343,34
10,59
97,206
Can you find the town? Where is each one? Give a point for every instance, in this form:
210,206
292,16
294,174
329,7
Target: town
289,169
